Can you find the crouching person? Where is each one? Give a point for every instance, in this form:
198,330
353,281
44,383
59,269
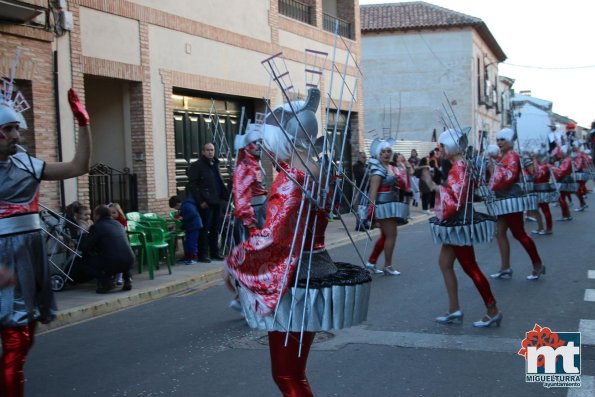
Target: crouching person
107,252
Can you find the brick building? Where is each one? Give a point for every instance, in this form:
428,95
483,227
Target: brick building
151,72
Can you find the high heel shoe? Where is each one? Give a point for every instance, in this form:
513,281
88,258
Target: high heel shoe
372,268
391,271
490,320
536,274
450,317
503,273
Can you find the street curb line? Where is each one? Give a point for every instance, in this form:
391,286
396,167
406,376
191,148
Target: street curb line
78,314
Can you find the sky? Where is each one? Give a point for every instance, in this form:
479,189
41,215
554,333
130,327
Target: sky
549,47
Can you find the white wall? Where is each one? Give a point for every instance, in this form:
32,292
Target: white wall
109,37
413,72
250,18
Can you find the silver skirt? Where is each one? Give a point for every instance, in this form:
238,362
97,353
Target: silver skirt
393,209
479,232
337,297
511,205
570,187
548,197
582,176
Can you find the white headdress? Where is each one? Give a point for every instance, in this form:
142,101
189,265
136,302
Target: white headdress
506,134
12,103
453,141
492,151
380,144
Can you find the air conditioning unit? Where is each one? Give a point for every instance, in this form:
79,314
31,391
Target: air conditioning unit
66,20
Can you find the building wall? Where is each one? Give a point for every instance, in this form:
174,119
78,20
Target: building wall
406,76
207,46
410,75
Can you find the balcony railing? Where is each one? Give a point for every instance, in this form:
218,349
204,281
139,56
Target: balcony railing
296,10
345,28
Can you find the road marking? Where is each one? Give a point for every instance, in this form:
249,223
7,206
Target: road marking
591,274
587,330
362,335
590,295
587,388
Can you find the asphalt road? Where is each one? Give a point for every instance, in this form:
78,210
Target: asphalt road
193,345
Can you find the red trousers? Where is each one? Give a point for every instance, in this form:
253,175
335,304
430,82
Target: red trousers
288,365
580,193
517,228
545,208
466,257
564,204
16,342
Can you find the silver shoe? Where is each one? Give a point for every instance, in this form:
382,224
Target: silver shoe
490,320
503,273
536,274
372,268
450,317
391,271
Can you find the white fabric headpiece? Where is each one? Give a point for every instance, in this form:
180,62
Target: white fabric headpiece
453,141
253,134
492,151
506,133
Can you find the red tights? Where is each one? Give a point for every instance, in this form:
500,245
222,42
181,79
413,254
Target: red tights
16,342
517,228
564,204
580,193
466,257
289,368
545,208
377,250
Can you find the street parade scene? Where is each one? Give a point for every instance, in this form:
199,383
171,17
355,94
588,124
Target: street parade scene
291,198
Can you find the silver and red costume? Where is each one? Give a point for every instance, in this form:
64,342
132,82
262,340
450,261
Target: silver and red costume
505,184
454,211
563,175
22,250
387,204
582,164
545,191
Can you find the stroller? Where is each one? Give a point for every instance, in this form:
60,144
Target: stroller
63,238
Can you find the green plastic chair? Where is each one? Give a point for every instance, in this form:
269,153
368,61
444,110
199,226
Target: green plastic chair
154,220
155,242
138,242
133,216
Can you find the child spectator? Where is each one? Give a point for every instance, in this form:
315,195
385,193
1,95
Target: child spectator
117,213
191,223
83,217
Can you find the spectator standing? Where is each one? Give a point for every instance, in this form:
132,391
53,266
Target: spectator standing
413,159
191,223
27,298
426,184
207,189
106,251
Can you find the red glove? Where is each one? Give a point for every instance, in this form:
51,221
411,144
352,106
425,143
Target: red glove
78,110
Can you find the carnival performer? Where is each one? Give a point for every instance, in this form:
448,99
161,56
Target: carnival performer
386,208
582,164
545,191
283,272
504,182
22,245
563,176
248,192
454,211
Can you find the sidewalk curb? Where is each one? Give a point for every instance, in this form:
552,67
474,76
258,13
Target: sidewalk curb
78,314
